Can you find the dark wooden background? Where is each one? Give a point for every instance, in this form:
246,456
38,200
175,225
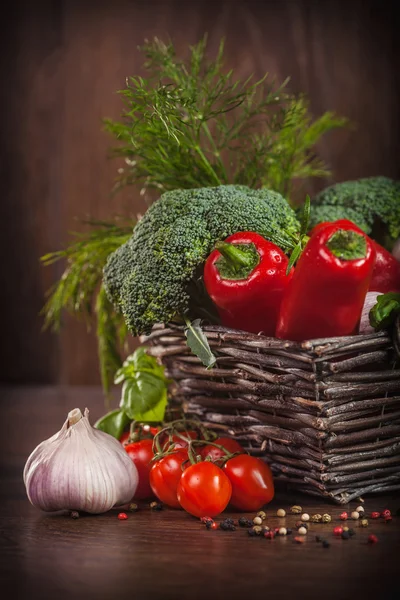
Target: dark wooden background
61,63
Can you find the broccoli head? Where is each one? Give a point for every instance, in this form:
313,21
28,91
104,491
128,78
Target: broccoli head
372,203
149,278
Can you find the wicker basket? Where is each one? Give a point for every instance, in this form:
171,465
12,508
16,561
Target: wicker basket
324,413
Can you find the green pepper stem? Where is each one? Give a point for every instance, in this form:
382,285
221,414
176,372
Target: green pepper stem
237,261
347,244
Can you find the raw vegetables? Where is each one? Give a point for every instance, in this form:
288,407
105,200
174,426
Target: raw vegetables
327,292
245,276
141,454
165,475
204,489
252,482
386,273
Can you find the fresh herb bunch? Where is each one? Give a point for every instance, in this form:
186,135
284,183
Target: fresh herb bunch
79,290
193,124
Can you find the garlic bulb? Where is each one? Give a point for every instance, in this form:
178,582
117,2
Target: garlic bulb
80,468
370,301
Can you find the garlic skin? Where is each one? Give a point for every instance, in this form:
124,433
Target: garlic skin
370,301
80,468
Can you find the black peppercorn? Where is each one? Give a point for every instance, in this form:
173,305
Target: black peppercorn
351,532
325,544
243,522
288,531
251,532
345,535
156,506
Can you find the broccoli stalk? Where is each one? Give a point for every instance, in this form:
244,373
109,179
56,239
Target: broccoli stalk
150,278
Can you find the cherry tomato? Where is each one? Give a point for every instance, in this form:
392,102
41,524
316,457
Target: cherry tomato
252,482
204,489
124,438
165,475
179,442
141,454
215,454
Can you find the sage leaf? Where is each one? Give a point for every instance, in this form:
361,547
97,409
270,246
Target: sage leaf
113,423
198,343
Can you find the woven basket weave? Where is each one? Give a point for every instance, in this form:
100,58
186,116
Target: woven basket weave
325,414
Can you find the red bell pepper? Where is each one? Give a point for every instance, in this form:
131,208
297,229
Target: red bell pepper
245,276
327,292
386,273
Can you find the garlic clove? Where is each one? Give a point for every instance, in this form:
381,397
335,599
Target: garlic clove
80,468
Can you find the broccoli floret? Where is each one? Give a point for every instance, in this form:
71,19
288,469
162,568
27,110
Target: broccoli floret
148,278
372,203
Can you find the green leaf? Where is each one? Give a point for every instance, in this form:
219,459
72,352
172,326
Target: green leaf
155,414
305,219
293,257
385,311
144,385
113,423
198,343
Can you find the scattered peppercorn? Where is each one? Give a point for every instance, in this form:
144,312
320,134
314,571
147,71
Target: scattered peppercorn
388,519
355,515
351,532
266,528
345,529
364,523
316,518
262,515
344,516
337,531
372,539
325,544
345,535
257,520
133,507
288,531
122,516
74,514
302,531
386,513
227,525
305,517
281,512
375,515
360,509
326,518
282,531
214,525
251,532
243,522
156,506
296,510
206,519
269,535
298,540
210,523
276,529
257,529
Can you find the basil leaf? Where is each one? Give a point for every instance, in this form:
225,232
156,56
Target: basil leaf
198,343
113,423
385,311
155,414
144,385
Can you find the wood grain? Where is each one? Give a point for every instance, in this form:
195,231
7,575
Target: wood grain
168,554
62,62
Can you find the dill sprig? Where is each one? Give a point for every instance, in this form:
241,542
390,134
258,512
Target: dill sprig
79,290
192,124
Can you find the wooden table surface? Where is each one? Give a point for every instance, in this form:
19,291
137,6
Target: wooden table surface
169,554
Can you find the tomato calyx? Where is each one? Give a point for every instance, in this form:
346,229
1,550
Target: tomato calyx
138,431
226,455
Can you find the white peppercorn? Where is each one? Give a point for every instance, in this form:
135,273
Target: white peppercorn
305,517
257,520
355,515
281,512
302,531
282,531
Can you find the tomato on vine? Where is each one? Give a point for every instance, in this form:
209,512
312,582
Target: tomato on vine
215,454
165,475
252,482
204,489
141,453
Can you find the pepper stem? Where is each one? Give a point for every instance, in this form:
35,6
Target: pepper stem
74,416
347,244
237,260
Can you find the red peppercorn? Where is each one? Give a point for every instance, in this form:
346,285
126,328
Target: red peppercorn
205,519
269,535
372,539
344,516
386,513
375,515
387,519
122,516
299,540
338,531
214,525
